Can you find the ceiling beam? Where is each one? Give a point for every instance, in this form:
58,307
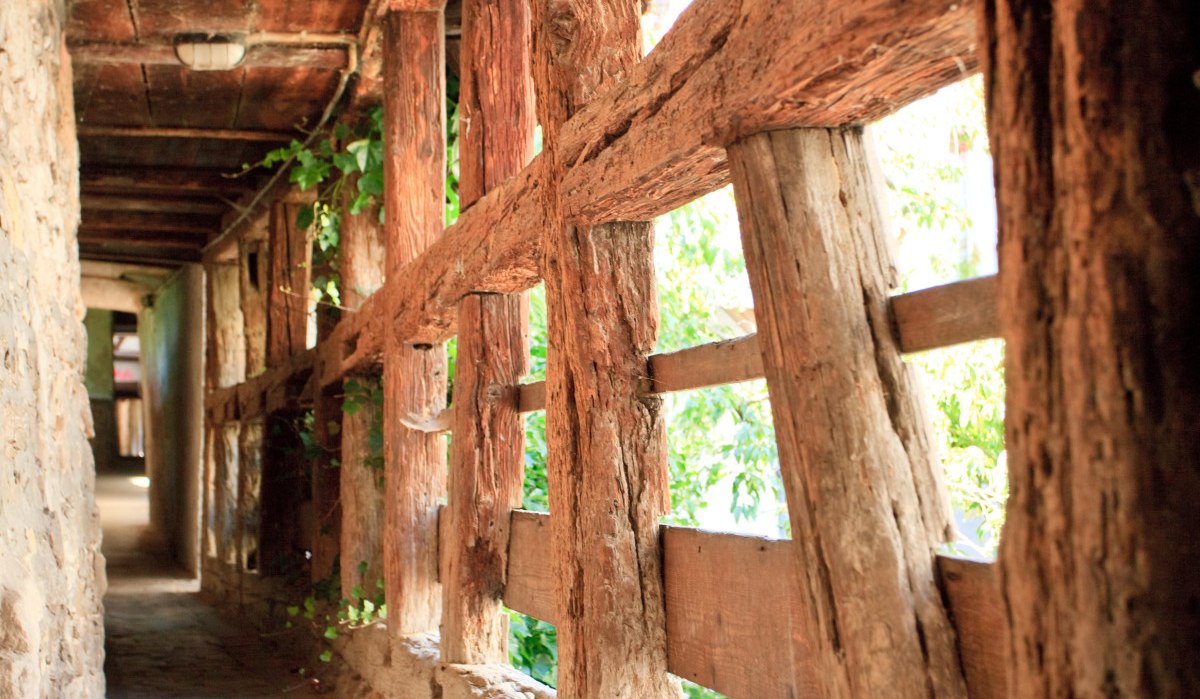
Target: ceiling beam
118,180
108,202
86,131
159,257
95,220
275,55
141,240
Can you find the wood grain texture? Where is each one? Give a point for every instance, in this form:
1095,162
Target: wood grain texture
254,268
226,328
486,476
722,591
326,486
973,593
288,289
249,494
732,607
1091,110
488,459
361,250
946,315
865,496
361,487
414,378
606,442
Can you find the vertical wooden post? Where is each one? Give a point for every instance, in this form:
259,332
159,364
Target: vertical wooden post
1092,112
326,495
487,466
226,504
253,278
249,493
414,378
361,486
288,290
864,493
606,442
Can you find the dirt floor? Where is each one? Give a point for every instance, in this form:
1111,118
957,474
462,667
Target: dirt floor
161,639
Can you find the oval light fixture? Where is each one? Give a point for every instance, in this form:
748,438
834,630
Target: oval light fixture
209,52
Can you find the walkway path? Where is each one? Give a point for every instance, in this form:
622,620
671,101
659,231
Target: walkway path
161,640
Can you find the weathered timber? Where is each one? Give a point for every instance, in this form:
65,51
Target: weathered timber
656,165
488,453
946,315
225,502
113,180
729,69
361,487
326,482
260,56
249,494
226,328
363,259
180,132
865,497
254,273
361,251
606,442
414,378
1092,118
973,592
486,475
158,204
130,221
288,288
729,617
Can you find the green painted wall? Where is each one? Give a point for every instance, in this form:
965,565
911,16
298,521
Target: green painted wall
99,377
171,331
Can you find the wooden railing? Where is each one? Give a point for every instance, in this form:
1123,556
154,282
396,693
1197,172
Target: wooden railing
646,144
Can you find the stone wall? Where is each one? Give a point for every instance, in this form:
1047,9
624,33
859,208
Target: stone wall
171,331
51,579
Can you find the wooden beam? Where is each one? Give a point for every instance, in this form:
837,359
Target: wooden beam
112,294
155,204
488,458
260,56
130,221
947,315
606,443
134,255
87,131
865,496
112,180
731,600
1091,119
414,376
142,239
288,285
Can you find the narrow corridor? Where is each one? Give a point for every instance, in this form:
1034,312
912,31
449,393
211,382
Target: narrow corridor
161,639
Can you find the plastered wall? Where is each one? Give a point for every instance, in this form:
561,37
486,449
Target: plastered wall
51,574
171,330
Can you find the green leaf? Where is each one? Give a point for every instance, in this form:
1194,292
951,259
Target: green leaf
326,656
331,632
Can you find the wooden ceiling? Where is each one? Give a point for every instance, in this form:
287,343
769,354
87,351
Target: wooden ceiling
158,141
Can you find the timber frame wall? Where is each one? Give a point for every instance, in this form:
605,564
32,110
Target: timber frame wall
768,95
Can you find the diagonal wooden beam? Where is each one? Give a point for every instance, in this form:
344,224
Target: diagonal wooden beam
656,140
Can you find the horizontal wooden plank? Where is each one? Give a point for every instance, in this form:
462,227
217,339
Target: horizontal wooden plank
162,181
159,204
261,56
713,364
173,132
947,315
730,608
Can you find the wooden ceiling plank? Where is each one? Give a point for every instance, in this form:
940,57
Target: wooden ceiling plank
151,180
143,221
154,204
160,258
260,56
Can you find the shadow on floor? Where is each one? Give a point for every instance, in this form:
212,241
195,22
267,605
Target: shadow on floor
161,640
